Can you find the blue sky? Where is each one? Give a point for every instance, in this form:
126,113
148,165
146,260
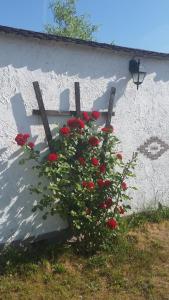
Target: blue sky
139,24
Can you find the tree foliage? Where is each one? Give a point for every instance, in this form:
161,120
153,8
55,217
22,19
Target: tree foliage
68,23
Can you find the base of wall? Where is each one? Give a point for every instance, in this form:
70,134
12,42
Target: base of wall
57,237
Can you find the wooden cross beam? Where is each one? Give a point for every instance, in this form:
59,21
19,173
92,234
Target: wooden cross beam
57,113
44,113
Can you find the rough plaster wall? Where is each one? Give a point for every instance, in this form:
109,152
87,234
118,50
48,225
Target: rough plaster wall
139,115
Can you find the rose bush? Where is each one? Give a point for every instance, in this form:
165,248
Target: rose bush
86,180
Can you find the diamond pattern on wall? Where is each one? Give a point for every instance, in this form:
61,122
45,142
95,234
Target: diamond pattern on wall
153,148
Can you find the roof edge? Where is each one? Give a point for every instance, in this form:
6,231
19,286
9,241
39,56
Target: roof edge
51,37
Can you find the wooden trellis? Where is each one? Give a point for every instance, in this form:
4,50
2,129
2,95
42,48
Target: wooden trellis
45,113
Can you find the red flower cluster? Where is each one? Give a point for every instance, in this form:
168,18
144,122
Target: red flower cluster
65,131
31,145
94,161
112,223
108,129
106,204
75,123
82,161
22,139
86,116
124,186
102,205
53,157
107,183
94,141
103,183
103,168
88,184
95,115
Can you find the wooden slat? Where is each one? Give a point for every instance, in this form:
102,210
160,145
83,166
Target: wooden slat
43,114
77,99
110,108
56,113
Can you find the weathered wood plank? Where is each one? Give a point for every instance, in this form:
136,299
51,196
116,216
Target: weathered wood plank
56,113
77,98
43,114
110,108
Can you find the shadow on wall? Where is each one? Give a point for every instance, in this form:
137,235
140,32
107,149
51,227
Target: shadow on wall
69,60
59,60
161,74
120,85
16,219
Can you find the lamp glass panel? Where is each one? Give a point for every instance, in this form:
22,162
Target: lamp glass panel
138,77
135,77
141,76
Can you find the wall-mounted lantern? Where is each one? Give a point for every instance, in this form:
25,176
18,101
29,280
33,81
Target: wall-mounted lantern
137,75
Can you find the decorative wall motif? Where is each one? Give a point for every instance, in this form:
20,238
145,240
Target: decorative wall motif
153,148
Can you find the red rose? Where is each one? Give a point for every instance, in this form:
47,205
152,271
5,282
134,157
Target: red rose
86,116
121,210
26,136
31,145
103,205
124,186
94,141
102,168
100,183
88,184
108,202
84,183
119,156
95,115
94,161
53,157
82,161
108,129
107,183
20,139
74,123
112,223
65,130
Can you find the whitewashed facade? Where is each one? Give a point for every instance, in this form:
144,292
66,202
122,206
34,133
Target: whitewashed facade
141,117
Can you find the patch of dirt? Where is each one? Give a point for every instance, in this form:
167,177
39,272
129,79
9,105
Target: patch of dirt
153,233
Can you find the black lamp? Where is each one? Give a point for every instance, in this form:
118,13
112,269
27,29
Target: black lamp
137,75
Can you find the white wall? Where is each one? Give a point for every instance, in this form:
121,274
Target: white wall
139,115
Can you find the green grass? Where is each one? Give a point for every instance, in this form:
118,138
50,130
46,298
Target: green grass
135,268
151,216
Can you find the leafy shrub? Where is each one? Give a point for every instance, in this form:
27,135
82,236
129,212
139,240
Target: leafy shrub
86,180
